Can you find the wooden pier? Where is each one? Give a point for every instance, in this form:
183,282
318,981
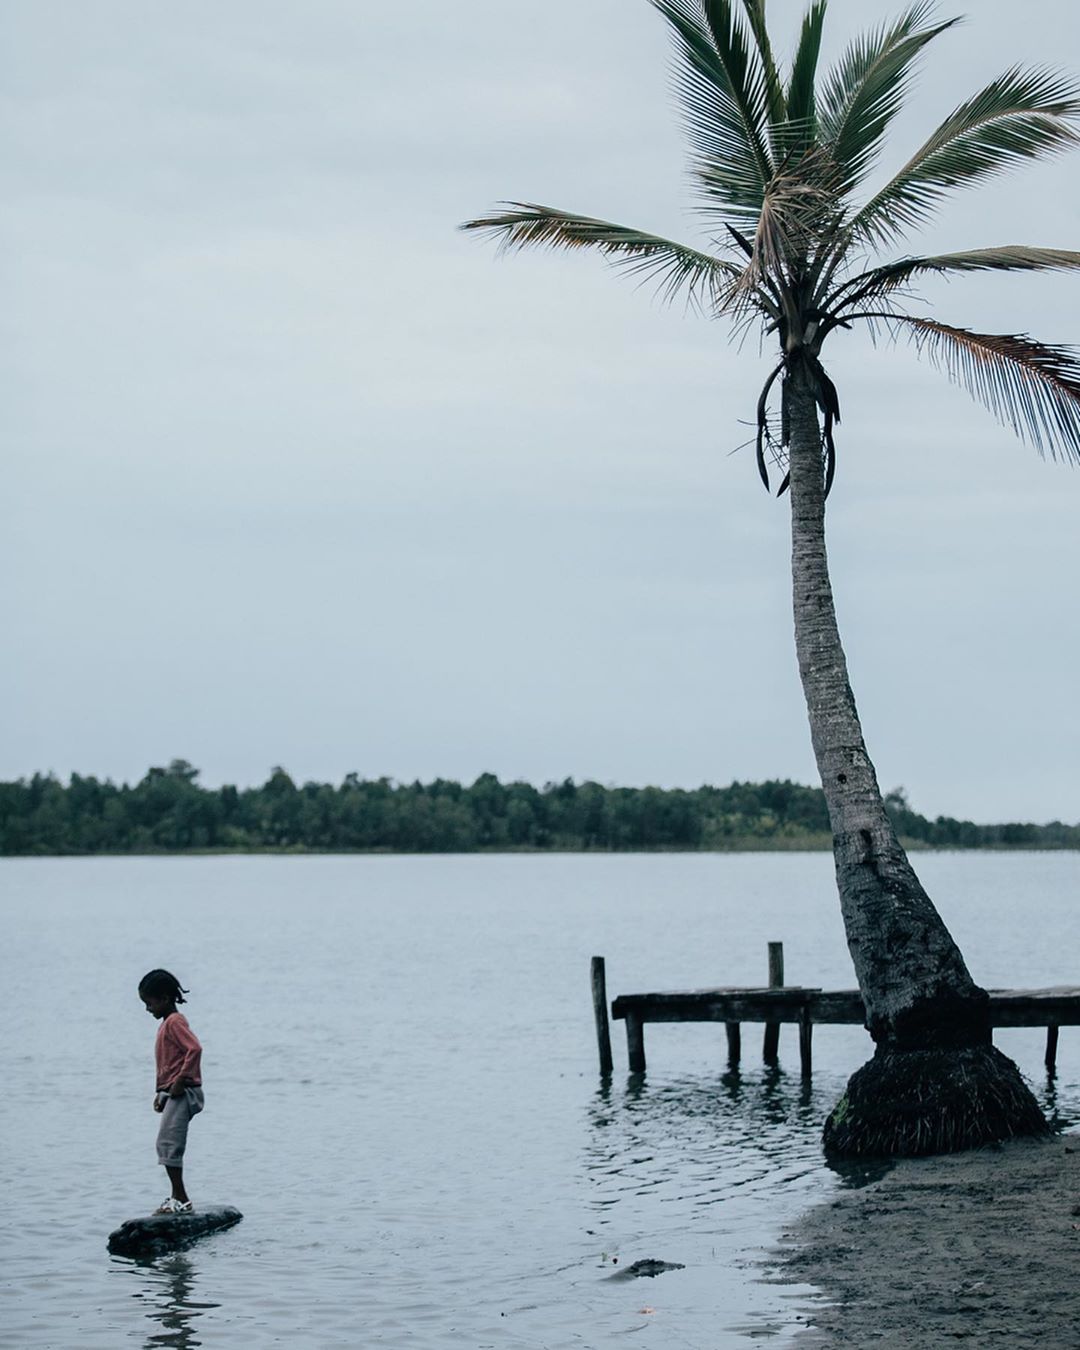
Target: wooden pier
804,1007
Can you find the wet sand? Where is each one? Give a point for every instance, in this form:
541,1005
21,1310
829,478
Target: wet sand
982,1247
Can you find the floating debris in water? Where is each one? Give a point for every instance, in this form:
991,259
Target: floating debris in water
646,1267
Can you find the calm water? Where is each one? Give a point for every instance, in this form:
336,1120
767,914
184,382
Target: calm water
402,1094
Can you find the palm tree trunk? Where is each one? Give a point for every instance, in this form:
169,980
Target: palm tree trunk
920,998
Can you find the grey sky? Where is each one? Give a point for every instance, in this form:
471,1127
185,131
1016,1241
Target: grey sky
298,474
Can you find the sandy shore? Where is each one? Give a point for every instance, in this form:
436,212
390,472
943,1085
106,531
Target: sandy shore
981,1247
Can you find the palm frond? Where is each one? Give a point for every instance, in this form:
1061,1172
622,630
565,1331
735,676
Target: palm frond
800,101
795,202
1022,115
724,95
1030,386
776,104
867,88
881,281
706,280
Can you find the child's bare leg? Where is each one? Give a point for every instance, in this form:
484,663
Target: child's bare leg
176,1176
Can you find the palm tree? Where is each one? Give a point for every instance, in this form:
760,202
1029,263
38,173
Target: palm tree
781,160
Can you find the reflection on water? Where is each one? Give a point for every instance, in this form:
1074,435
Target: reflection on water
771,1095
701,1140
696,1169
1061,1110
737,1130
168,1283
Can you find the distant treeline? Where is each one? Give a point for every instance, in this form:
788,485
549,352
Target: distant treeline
169,812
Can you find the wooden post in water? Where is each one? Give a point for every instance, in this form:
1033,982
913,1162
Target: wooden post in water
734,1043
771,1046
635,1043
806,1033
1051,1048
599,1002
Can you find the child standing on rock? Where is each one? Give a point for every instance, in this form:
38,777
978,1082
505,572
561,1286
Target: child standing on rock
179,1094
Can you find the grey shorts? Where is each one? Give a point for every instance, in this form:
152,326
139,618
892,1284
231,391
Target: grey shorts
175,1118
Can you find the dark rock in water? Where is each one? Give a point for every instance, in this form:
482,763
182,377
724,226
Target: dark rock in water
646,1267
159,1233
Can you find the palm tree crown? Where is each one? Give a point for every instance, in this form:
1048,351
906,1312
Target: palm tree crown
780,160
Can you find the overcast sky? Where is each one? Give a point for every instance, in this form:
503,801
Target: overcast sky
298,474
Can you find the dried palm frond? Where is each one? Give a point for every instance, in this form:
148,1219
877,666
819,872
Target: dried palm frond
795,203
1030,386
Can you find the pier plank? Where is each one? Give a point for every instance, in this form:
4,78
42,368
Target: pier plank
1054,1007
1059,1005
714,1005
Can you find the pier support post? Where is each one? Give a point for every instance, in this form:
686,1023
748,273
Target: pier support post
770,1050
603,1029
635,1043
734,1043
1051,1048
806,1036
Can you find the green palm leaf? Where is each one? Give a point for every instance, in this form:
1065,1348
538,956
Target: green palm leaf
776,104
1030,386
1022,115
1007,258
866,90
800,102
706,280
724,95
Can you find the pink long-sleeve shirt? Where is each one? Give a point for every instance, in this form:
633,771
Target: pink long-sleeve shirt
178,1053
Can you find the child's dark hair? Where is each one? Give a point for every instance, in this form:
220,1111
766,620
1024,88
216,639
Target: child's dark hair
162,984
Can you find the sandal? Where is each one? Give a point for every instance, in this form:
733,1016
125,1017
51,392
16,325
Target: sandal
174,1206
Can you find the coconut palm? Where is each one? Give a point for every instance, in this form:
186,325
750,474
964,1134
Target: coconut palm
781,160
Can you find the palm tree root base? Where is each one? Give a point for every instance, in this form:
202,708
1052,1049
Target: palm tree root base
907,1103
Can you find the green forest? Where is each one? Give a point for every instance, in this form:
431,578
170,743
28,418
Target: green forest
168,811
